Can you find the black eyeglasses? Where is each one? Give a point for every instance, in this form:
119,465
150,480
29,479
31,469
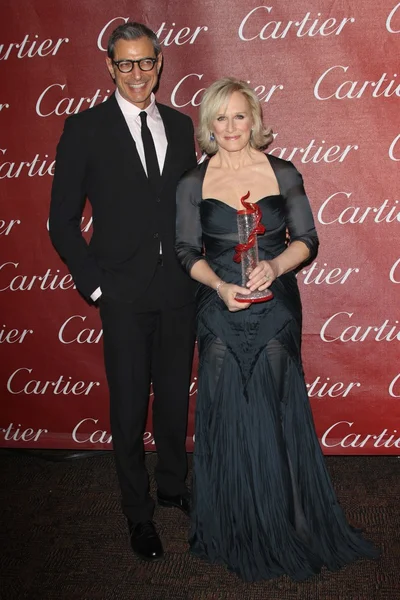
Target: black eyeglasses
126,66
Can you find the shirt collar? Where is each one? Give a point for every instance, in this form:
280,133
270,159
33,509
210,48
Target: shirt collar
129,109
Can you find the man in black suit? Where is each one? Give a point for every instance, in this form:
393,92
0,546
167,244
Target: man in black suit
126,156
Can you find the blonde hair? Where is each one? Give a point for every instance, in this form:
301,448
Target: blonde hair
216,96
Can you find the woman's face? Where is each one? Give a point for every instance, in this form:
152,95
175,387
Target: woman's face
232,124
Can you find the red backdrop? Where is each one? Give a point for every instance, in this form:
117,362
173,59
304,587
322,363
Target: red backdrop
327,74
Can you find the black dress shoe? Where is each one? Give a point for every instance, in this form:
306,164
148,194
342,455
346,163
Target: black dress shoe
145,541
181,501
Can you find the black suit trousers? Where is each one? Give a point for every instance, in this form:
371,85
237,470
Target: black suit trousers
147,341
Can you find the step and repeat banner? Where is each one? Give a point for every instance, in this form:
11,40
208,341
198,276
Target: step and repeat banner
328,77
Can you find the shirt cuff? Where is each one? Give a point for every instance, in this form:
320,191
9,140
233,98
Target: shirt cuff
96,294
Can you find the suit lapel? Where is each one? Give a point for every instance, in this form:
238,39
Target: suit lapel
124,144
171,141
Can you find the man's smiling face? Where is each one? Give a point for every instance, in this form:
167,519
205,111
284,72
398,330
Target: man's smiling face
136,86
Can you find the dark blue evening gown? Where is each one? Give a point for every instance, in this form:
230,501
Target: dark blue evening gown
263,502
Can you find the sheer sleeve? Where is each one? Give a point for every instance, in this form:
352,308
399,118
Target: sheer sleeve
299,218
189,237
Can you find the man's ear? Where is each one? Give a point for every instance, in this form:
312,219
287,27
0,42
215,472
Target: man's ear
110,67
159,62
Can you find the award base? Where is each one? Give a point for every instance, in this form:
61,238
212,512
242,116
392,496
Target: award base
255,296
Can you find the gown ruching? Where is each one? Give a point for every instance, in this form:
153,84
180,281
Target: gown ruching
263,502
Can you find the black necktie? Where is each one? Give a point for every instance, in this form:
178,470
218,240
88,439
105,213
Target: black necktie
153,170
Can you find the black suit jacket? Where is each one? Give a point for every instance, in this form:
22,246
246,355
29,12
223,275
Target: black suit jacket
97,159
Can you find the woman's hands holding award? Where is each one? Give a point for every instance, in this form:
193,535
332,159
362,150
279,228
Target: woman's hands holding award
256,276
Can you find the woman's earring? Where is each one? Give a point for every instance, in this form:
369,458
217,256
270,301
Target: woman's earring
212,138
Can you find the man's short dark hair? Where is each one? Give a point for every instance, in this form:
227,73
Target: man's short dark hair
132,31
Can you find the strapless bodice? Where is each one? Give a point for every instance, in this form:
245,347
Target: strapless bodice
220,231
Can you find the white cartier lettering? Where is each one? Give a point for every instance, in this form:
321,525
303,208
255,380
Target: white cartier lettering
167,34
69,332
49,102
16,434
4,106
249,28
86,224
325,88
37,166
48,281
314,152
264,93
357,440
196,97
390,26
6,226
394,149
357,333
104,34
100,436
148,439
335,209
319,388
181,98
29,48
17,384
178,37
193,387
393,390
13,336
394,274
318,275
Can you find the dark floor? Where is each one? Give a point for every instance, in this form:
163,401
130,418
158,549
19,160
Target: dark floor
63,536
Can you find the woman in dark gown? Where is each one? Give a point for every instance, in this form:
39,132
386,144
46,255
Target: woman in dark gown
263,502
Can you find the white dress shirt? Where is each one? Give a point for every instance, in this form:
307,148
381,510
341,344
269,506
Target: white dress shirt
157,129
154,122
